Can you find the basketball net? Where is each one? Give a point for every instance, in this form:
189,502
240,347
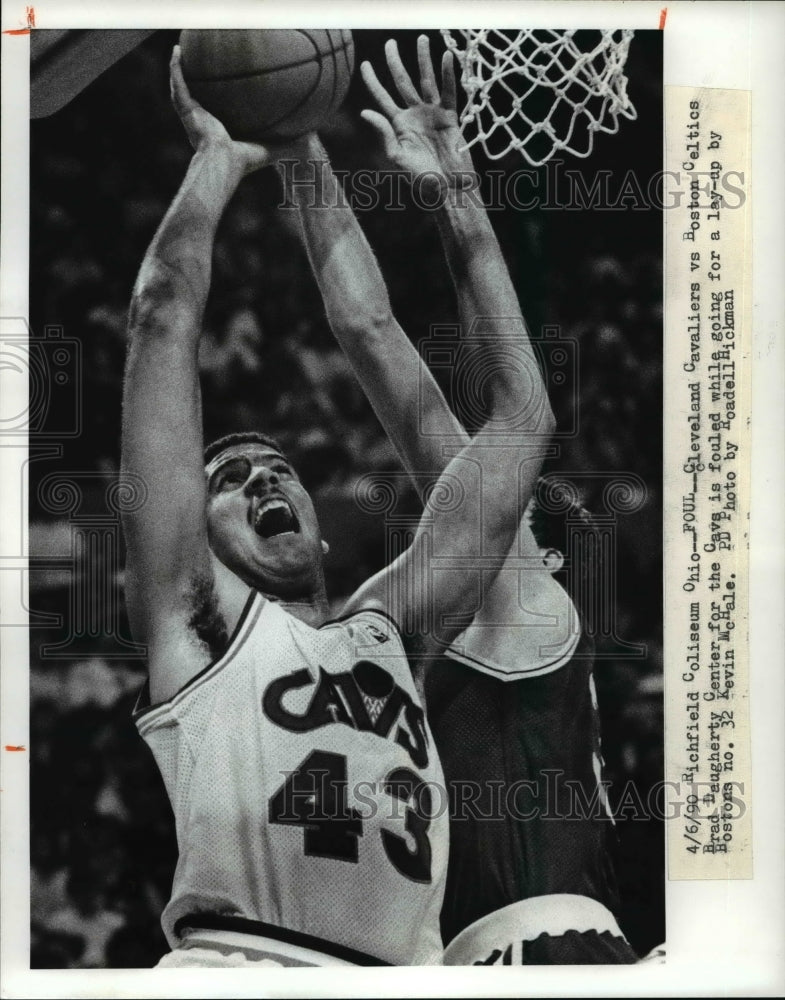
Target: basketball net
549,93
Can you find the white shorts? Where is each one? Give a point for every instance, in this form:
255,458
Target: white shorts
560,929
222,949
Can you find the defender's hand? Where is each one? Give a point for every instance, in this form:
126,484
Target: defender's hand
203,129
424,137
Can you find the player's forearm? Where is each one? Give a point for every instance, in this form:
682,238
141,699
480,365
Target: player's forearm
353,289
162,422
397,384
174,278
475,260
489,307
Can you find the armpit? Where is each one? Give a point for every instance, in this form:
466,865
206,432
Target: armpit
206,621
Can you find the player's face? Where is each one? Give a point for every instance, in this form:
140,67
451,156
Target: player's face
261,522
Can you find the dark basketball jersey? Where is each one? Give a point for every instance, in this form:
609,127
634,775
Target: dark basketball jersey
522,762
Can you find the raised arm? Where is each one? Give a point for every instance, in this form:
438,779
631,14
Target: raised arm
358,306
423,137
168,564
431,587
424,140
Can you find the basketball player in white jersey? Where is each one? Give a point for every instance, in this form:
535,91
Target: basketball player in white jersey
294,749
515,696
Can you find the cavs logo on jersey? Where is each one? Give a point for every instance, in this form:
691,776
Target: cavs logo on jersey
365,698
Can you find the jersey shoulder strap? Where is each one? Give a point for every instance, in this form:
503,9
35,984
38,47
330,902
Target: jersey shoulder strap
144,712
510,654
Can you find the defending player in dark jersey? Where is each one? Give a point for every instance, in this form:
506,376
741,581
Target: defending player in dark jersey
530,800
268,720
513,706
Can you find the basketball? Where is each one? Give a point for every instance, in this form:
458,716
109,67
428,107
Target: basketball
268,85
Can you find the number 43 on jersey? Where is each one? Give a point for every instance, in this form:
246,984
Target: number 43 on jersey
314,797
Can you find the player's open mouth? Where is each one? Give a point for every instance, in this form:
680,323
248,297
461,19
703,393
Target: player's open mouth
275,517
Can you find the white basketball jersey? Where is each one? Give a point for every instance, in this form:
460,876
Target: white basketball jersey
306,789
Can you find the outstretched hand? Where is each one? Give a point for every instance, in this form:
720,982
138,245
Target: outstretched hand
424,137
205,131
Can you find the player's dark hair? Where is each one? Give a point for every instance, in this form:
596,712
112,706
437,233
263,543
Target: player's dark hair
240,437
556,505
559,520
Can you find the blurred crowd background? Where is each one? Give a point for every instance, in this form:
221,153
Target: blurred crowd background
103,171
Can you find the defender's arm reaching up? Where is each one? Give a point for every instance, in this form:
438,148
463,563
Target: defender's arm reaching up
494,474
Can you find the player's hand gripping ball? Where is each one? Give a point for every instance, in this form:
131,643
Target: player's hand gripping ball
269,84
